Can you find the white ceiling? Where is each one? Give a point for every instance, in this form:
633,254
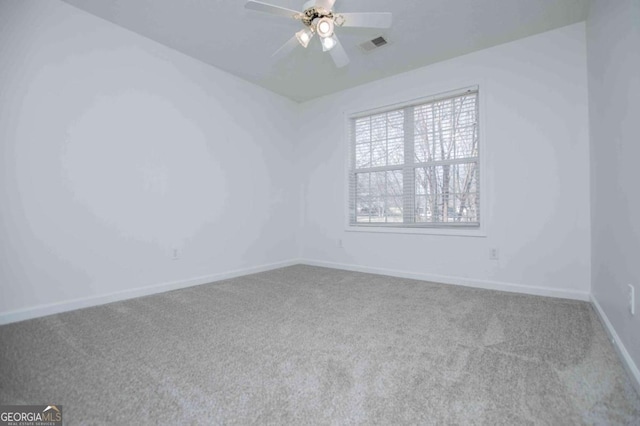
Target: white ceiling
224,34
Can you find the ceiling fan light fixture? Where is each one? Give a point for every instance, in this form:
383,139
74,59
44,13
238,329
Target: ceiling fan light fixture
304,36
328,43
325,27
319,17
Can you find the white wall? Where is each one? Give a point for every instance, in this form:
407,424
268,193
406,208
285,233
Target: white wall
114,150
535,125
613,36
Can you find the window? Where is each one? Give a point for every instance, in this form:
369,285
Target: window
417,166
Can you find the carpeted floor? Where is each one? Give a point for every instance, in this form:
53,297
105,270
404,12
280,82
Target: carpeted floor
305,345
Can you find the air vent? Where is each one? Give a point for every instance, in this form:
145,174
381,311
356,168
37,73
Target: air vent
380,41
368,46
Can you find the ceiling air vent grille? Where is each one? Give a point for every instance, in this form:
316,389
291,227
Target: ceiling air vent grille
369,45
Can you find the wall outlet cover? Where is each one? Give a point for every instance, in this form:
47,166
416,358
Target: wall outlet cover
494,254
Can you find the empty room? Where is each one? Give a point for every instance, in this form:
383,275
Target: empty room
319,212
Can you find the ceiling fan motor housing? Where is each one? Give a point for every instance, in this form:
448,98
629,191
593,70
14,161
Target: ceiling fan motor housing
313,13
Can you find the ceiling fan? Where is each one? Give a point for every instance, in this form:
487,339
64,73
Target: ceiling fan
319,18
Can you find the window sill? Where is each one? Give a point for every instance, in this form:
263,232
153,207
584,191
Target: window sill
472,231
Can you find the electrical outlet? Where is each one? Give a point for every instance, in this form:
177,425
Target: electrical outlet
632,299
494,254
175,254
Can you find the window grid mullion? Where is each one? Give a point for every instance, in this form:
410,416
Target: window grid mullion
380,169
447,162
385,206
408,171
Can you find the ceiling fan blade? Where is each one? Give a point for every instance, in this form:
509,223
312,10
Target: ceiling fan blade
325,4
339,55
286,48
367,20
270,8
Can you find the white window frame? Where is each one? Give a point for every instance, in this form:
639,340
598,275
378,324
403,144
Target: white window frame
427,228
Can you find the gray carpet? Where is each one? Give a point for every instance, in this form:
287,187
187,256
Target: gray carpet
305,345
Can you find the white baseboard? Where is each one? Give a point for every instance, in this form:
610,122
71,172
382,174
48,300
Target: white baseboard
467,282
85,302
627,361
